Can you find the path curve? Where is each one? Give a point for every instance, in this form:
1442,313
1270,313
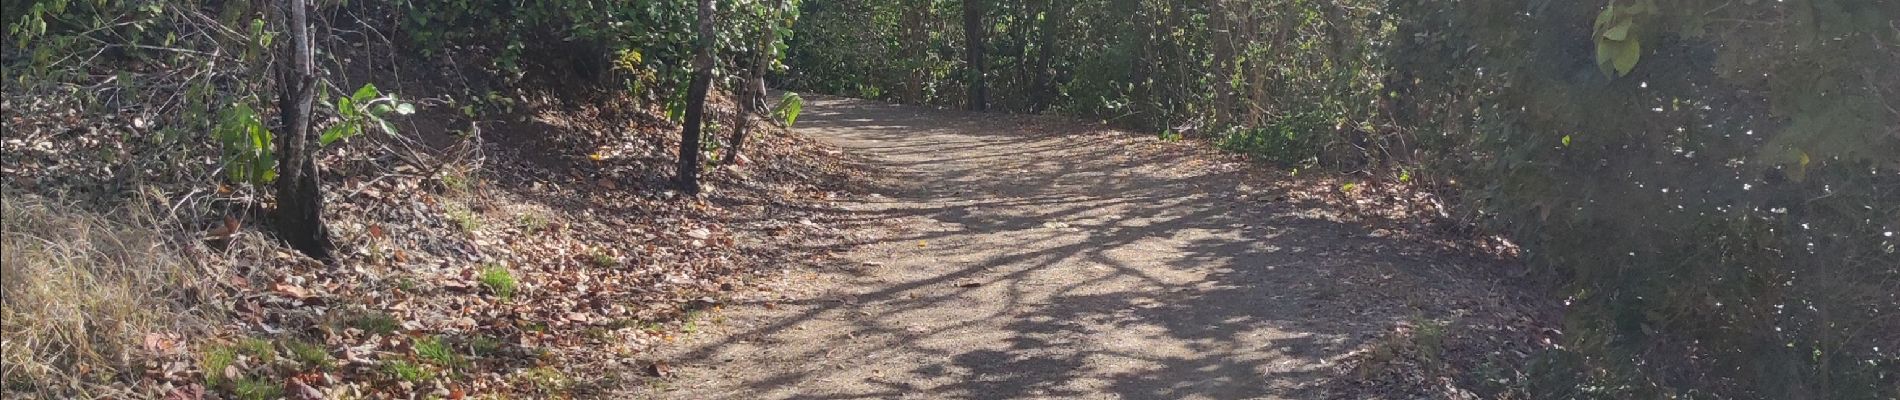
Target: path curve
1004,260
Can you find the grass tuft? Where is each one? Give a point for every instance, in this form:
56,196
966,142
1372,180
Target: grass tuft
406,371
376,322
214,363
309,355
484,345
257,389
79,291
498,280
462,216
435,351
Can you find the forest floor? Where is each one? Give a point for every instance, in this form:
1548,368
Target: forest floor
533,248
1034,257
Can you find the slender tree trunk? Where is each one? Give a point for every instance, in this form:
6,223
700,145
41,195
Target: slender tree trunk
973,44
1257,72
918,20
299,198
1223,44
754,103
1017,88
688,168
1045,55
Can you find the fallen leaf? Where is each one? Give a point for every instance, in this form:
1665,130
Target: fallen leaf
230,227
300,390
188,392
292,290
659,369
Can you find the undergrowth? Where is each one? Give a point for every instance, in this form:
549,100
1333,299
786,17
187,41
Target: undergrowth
80,290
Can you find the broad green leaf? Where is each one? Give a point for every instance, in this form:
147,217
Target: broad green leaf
365,93
346,107
1604,57
333,134
1604,17
1619,32
1566,140
1627,55
405,109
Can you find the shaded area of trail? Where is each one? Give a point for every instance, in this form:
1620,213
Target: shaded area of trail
1001,259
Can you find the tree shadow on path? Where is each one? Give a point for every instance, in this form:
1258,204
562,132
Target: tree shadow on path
1010,260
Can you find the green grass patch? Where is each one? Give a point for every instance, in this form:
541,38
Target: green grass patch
531,222
462,216
215,362
309,355
600,258
406,371
483,345
436,351
376,322
498,280
257,389
262,349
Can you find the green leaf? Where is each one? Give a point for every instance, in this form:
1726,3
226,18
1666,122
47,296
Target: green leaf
1604,57
1627,55
789,107
1566,140
1619,32
1604,17
405,109
333,134
365,93
346,108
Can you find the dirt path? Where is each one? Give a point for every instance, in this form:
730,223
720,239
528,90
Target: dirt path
1006,263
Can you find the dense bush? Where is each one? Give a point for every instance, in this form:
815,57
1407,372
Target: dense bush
1714,186
645,45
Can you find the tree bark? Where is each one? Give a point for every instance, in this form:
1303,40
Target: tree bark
1045,55
688,167
973,44
1223,44
918,22
754,102
299,197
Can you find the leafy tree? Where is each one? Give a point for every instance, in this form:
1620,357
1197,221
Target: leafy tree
765,53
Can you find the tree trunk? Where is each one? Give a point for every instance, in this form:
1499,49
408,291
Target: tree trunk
688,168
973,45
299,198
918,23
1016,89
754,101
1223,44
1045,55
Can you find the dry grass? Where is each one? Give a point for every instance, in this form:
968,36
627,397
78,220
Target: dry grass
79,292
